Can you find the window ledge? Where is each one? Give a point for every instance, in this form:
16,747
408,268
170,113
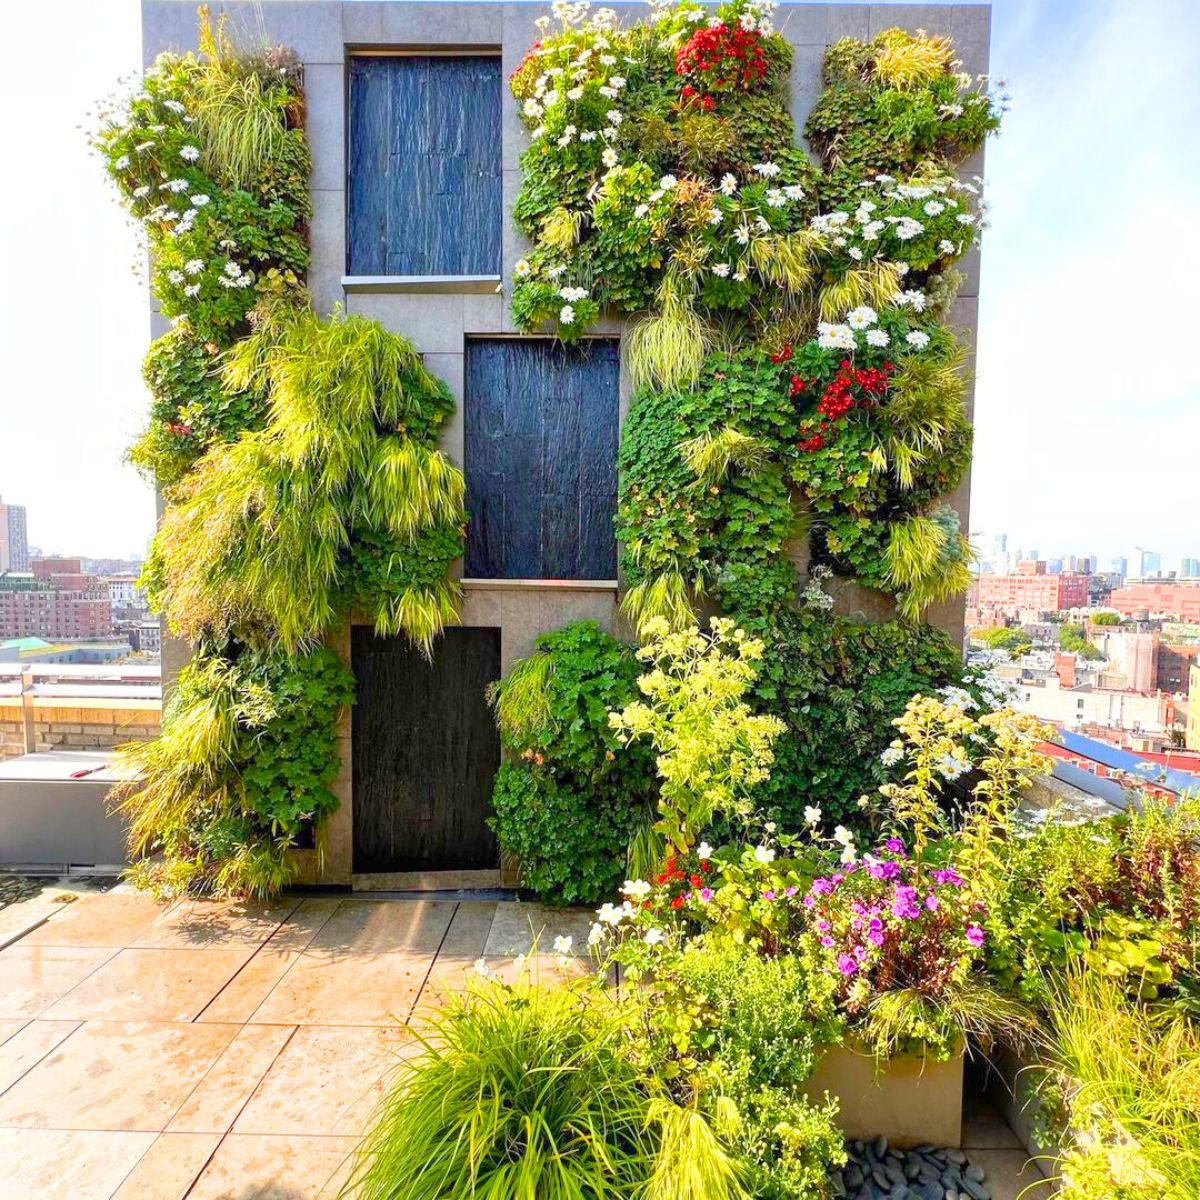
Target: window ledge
418,284
579,585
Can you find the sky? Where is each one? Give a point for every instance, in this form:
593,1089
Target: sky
1087,402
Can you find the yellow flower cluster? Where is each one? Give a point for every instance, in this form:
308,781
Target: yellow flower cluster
712,749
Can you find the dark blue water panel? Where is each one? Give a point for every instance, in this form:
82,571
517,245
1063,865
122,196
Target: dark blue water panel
541,458
425,175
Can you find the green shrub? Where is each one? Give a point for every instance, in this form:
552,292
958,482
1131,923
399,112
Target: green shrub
569,804
571,843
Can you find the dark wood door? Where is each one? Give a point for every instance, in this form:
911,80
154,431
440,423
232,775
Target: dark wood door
425,752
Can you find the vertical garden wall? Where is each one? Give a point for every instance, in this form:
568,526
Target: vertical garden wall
794,362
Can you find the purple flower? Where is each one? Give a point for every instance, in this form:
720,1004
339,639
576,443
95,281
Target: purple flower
810,901
884,870
705,894
846,964
975,935
789,892
904,903
894,845
769,894
823,926
931,902
953,878
827,941
821,887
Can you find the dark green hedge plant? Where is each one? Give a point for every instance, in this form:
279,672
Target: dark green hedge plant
566,803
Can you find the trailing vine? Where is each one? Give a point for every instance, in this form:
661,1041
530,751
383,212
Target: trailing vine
298,458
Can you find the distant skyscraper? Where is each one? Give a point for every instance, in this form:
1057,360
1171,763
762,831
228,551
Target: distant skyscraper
14,543
1120,566
1148,562
1189,568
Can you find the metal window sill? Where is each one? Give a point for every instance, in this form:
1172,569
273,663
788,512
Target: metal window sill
422,284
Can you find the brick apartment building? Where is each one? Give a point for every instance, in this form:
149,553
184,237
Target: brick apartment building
1031,590
56,601
1158,597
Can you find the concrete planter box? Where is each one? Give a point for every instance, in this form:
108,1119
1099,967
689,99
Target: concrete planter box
54,812
1010,1090
908,1100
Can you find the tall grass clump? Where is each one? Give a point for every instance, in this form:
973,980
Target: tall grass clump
519,1093
1130,1075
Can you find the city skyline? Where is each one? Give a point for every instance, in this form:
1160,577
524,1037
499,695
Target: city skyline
1068,449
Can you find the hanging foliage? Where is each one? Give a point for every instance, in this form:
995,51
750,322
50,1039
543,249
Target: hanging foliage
264,538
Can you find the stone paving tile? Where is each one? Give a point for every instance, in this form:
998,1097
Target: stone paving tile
222,1094
985,1129
63,1164
519,924
98,920
32,978
27,1048
247,1167
464,943
11,1026
373,927
151,985
238,999
1010,1173
168,1169
346,990
214,925
116,1075
327,1080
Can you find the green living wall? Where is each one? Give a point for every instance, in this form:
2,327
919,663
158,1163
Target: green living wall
798,390
298,459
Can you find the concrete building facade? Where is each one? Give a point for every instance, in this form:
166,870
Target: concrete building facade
441,315
14,538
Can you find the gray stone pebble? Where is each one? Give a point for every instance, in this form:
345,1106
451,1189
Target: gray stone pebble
875,1171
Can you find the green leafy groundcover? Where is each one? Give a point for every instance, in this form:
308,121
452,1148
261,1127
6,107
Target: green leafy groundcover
567,803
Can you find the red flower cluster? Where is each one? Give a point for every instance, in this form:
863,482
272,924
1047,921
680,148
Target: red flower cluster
672,875
178,428
689,95
722,58
852,387
782,356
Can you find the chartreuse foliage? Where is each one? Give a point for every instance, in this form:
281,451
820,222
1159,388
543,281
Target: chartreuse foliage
242,769
566,804
262,537
789,328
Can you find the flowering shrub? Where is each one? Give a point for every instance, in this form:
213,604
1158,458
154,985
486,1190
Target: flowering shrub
711,748
719,59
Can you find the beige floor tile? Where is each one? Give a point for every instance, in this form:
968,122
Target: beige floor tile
238,999
169,1168
29,1047
151,985
32,978
372,927
518,925
346,989
275,1168
1009,1173
222,1093
327,1080
115,1075
214,925
57,1164
11,1026
309,918
102,920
